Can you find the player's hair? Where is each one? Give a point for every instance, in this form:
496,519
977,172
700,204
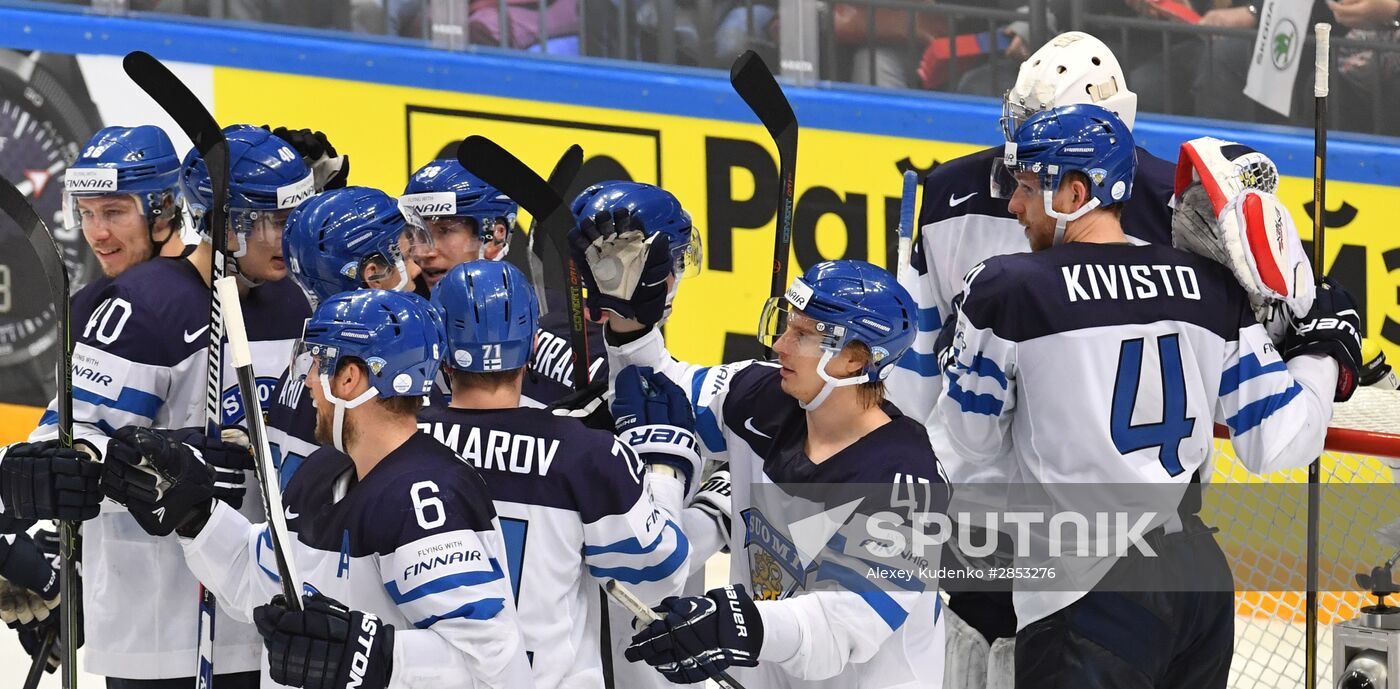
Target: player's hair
1082,178
399,405
870,393
484,380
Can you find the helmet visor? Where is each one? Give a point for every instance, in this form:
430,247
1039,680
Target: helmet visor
310,360
92,213
417,241
783,327
686,259
259,226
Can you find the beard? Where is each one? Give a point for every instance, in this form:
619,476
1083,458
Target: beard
325,426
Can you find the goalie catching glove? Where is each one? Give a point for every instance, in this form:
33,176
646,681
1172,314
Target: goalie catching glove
325,645
1226,210
697,636
624,270
162,483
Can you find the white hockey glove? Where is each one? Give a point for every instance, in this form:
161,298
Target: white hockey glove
1226,210
714,500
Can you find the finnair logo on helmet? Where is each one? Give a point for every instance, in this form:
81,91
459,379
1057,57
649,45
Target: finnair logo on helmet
296,192
799,294
431,203
90,179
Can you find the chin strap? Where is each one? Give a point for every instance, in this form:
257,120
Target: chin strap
1064,219
338,422
831,383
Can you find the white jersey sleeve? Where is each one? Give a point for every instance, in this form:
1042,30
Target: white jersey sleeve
1277,412
816,636
979,394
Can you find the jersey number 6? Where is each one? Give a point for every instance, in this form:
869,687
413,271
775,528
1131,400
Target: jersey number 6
422,505
1166,434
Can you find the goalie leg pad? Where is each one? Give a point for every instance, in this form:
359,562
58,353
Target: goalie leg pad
965,660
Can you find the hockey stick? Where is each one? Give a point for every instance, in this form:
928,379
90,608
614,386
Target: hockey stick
14,204
242,360
41,659
907,200
502,170
560,179
1321,64
177,101
754,82
634,605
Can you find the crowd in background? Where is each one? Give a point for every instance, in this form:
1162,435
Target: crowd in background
1191,62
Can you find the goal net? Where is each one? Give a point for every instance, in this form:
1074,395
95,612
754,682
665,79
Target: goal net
1270,648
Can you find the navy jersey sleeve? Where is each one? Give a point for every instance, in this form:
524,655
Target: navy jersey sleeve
1148,215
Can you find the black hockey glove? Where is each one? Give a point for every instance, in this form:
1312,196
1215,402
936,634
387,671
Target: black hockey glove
24,564
45,481
161,482
1331,328
587,405
654,418
943,345
624,270
227,457
700,635
331,171
325,645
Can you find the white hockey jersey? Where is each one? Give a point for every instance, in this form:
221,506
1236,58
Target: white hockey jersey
961,225
861,635
139,358
576,508
1105,365
415,542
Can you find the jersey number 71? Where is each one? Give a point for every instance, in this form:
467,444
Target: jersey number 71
1167,434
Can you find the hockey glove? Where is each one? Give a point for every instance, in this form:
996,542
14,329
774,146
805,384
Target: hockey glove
22,607
227,457
943,344
654,418
325,645
161,482
588,405
329,170
1331,328
45,481
714,500
24,564
624,270
701,635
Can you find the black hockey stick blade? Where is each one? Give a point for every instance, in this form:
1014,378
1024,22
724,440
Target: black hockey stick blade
753,81
560,179
501,169
14,204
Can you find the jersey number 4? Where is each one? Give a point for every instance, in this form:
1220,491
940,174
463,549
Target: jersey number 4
1175,426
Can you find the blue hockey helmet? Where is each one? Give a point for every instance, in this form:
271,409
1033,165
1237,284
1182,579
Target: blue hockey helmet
267,179
491,315
343,239
845,301
130,161
443,188
657,209
397,336
1075,138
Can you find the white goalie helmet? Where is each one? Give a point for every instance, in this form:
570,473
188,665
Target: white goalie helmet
1072,68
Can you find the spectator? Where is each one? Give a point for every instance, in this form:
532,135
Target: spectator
881,54
1369,80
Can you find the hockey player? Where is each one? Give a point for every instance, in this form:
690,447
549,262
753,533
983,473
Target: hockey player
426,599
817,417
337,241
1154,343
139,360
577,506
965,220
462,212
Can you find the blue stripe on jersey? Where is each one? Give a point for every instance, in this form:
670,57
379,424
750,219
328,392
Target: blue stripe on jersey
265,541
1248,368
50,418
971,402
986,368
130,401
626,546
483,609
925,365
1254,413
445,583
929,319
656,572
886,607
705,425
